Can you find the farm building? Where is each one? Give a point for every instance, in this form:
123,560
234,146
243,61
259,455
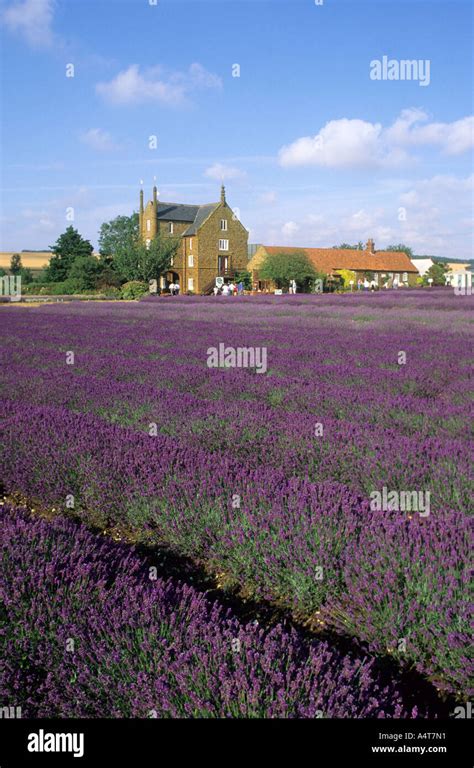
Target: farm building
383,266
213,241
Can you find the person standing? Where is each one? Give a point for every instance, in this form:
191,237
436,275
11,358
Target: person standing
171,289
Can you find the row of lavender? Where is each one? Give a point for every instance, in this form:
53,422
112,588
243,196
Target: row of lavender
234,472
398,582
90,634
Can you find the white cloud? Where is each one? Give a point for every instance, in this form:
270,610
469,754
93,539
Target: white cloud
341,143
155,85
354,143
437,220
268,198
361,221
223,172
289,229
32,19
99,140
453,138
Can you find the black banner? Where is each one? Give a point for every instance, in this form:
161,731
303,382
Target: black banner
156,742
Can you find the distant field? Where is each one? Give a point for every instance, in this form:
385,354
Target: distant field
266,480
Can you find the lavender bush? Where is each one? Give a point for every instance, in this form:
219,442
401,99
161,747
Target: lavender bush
89,634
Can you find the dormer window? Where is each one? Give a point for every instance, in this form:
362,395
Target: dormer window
171,228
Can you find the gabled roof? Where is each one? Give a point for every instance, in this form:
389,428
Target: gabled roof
196,215
329,260
203,213
177,212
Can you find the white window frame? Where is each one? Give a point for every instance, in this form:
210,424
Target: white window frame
190,259
405,277
190,283
223,245
190,243
148,225
224,225
170,228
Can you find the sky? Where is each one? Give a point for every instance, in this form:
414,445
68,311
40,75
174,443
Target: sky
318,139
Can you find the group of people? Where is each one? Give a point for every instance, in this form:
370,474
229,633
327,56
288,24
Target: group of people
292,286
366,284
229,289
174,289
374,286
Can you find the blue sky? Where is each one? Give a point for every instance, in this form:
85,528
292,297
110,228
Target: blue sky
311,149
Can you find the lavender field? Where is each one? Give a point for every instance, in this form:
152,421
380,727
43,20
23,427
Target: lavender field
113,422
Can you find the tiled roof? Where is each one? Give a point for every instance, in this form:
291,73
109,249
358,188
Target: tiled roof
201,216
177,212
194,214
329,260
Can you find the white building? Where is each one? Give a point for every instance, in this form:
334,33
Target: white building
422,265
459,276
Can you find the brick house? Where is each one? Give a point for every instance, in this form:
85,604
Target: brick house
213,241
385,266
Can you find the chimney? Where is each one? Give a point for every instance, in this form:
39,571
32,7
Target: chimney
370,247
155,197
222,194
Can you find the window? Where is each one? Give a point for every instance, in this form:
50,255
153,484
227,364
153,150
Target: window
224,225
190,243
171,228
190,284
405,277
148,225
171,261
191,260
223,245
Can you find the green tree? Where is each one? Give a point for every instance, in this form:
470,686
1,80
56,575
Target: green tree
347,275
401,248
347,246
68,247
283,267
244,277
86,270
156,258
437,273
118,236
26,275
15,264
